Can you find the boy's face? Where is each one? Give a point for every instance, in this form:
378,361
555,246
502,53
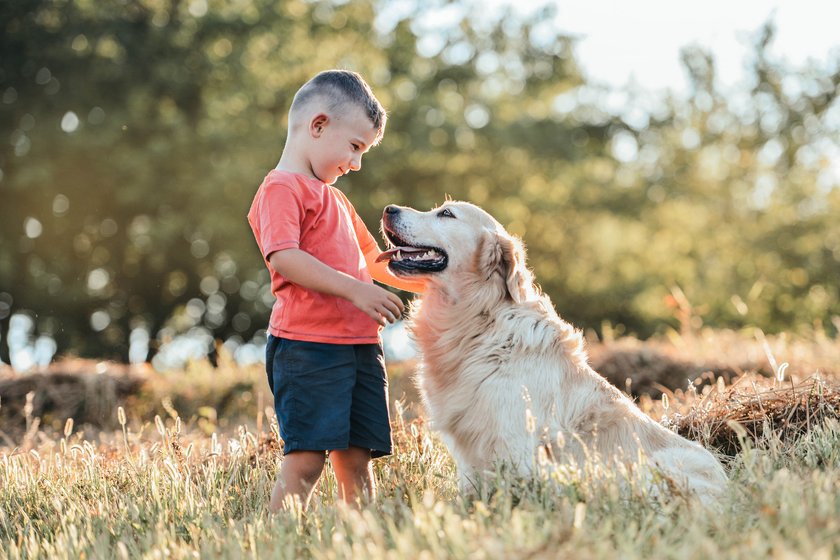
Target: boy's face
339,142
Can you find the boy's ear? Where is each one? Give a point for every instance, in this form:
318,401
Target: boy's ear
317,124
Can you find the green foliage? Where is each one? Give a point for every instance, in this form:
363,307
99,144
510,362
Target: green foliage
139,131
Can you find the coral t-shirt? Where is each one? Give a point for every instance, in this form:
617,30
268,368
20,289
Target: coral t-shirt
295,211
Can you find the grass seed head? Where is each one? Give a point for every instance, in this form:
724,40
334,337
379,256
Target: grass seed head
159,424
780,373
530,421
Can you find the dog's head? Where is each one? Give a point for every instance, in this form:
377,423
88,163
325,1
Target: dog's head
456,239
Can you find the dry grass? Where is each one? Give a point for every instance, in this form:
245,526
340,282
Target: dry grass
753,407
188,470
725,388
700,358
710,378
87,392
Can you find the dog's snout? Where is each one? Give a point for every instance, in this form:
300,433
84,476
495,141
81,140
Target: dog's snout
391,209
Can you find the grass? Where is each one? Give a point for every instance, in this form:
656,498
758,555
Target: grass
196,487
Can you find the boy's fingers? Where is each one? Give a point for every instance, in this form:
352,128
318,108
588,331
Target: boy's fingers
395,298
379,318
396,310
390,315
388,309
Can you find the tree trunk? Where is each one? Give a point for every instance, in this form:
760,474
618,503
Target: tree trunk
5,352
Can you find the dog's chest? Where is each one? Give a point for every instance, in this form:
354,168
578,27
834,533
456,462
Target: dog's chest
465,388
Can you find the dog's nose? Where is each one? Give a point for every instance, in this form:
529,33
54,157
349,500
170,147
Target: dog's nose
391,209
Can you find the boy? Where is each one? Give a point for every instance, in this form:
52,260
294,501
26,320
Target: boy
324,357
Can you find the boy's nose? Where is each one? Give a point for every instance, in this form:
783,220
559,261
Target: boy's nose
355,164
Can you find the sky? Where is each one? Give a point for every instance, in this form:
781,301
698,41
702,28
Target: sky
639,41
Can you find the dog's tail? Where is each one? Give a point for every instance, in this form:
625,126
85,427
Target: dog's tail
694,468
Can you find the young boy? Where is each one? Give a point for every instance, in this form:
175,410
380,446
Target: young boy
324,356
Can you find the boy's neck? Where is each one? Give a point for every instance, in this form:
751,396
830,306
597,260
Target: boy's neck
290,164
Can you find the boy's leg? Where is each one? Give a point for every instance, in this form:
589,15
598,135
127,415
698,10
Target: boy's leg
312,385
299,474
370,429
353,473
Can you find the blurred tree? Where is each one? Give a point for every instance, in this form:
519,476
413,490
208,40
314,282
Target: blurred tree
138,132
738,199
125,167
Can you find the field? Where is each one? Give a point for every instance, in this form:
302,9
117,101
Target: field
181,464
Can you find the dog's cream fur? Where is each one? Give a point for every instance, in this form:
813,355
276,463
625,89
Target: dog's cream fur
502,374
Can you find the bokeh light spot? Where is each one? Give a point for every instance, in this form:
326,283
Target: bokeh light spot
61,205
99,320
97,279
69,122
33,228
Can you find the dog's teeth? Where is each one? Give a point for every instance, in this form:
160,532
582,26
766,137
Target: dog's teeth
399,256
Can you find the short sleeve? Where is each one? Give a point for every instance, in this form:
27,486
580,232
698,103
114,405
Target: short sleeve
276,216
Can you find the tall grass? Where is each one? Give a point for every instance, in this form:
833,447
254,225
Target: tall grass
188,471
172,491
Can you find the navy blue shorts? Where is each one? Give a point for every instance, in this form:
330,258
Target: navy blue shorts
329,396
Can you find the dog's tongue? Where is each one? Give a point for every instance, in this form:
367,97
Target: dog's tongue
390,253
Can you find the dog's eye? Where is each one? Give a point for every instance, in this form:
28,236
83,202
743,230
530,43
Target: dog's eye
446,213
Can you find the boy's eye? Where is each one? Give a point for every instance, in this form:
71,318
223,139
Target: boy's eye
355,147
446,213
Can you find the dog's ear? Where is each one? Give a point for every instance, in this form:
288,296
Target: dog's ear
504,255
517,277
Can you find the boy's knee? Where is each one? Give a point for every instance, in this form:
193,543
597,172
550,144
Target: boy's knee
305,465
353,459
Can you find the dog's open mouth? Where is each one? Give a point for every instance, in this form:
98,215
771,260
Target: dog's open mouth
407,258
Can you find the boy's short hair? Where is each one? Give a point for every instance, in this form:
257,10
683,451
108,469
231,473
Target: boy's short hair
339,88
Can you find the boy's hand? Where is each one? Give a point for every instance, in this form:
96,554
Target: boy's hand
305,270
378,303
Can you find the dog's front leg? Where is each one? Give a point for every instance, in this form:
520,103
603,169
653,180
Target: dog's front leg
470,480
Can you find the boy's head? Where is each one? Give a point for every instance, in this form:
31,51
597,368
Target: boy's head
333,121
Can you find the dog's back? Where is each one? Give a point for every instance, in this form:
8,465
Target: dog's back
518,380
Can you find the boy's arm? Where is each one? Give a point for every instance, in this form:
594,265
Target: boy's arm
370,249
379,271
305,270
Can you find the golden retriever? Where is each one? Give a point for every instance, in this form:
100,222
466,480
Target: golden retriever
502,375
